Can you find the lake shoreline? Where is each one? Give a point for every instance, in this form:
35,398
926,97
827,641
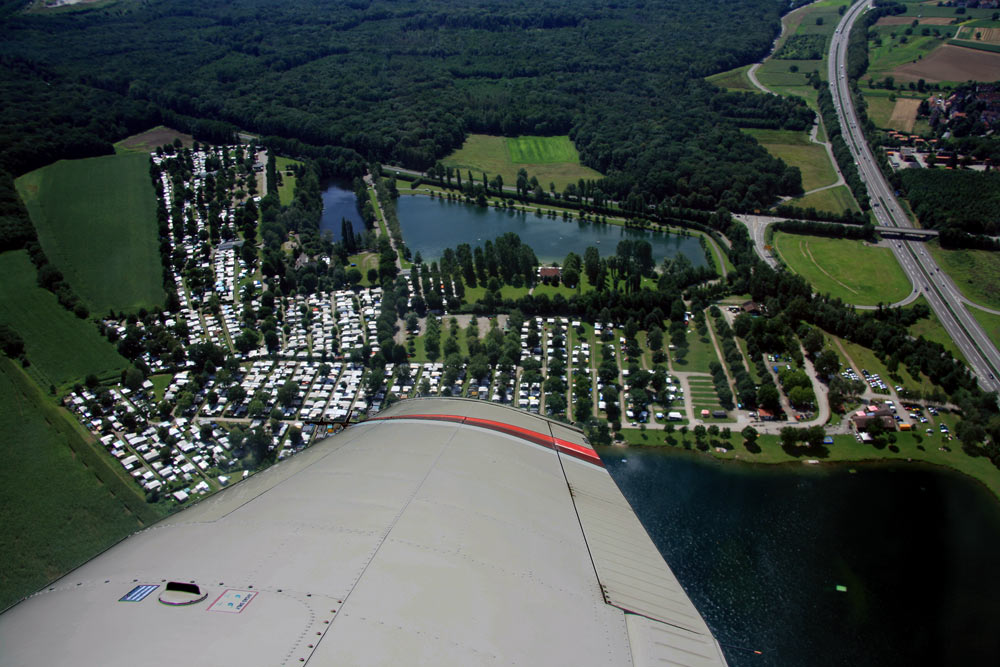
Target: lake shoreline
804,464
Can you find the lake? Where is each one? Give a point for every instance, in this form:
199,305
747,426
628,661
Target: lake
761,549
339,202
430,225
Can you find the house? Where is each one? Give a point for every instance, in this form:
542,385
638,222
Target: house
862,419
766,415
549,272
719,414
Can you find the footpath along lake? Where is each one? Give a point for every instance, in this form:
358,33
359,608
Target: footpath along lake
762,549
431,225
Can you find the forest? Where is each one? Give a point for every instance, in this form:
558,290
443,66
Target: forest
404,81
961,200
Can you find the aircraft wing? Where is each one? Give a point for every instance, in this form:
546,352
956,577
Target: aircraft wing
444,531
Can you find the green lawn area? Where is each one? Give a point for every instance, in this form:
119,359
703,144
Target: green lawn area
541,150
364,262
160,384
734,79
989,322
931,329
975,272
58,512
287,188
473,294
879,106
700,353
557,159
62,348
852,270
96,221
797,151
834,200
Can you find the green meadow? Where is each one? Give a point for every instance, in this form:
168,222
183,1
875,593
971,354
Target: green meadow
855,272
797,151
549,159
96,221
62,348
834,200
63,503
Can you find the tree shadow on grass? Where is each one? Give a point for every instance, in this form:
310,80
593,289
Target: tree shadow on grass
809,451
752,447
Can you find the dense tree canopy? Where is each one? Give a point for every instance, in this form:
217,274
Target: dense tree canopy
404,81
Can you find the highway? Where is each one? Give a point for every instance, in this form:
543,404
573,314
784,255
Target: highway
941,293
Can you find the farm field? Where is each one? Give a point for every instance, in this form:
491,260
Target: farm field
150,140
855,272
96,221
899,113
975,272
895,52
797,151
980,32
904,114
62,348
57,513
549,159
776,73
879,106
951,63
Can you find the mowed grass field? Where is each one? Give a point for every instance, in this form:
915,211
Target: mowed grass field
62,348
797,151
835,200
989,322
286,191
541,150
62,502
96,221
851,270
975,272
931,329
550,159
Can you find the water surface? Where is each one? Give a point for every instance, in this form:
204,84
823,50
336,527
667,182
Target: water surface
430,225
761,549
339,202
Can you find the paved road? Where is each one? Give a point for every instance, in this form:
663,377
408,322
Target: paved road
945,299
